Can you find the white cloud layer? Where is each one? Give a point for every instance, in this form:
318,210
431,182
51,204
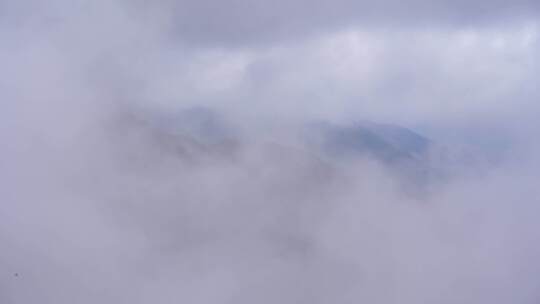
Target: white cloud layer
98,207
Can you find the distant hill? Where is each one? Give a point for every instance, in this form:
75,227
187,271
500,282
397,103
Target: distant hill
384,142
202,134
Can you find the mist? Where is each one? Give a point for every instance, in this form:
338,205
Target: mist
182,152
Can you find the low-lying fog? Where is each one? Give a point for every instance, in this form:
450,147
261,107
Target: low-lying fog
152,156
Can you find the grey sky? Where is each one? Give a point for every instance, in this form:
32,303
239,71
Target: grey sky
95,206
253,22
443,58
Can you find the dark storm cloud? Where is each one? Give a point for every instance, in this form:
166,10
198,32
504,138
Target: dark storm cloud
253,21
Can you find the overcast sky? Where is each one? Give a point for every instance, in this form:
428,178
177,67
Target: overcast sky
411,62
89,214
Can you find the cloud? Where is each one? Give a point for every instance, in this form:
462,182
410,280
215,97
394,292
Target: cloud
254,22
101,205
115,214
413,77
